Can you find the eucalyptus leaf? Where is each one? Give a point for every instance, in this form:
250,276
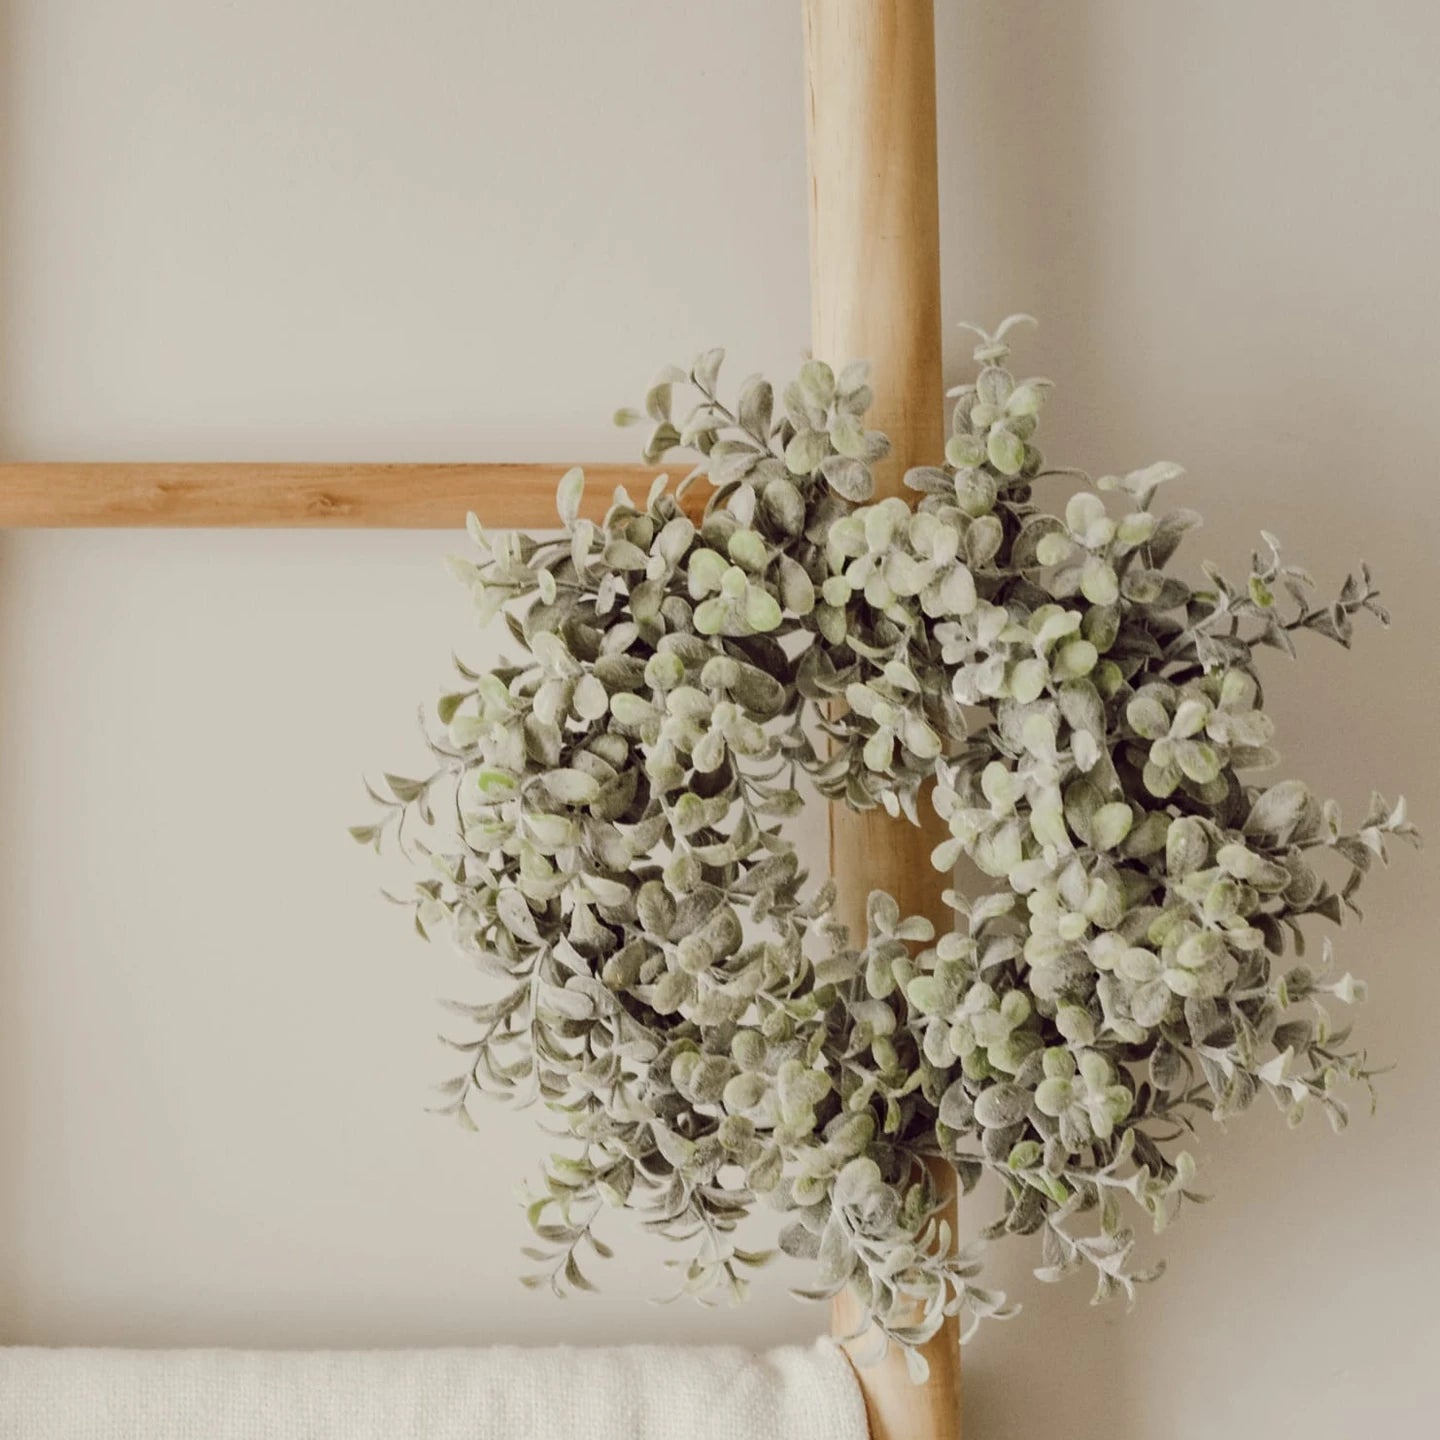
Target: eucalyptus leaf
605,834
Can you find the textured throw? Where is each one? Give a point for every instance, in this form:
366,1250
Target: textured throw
642,1392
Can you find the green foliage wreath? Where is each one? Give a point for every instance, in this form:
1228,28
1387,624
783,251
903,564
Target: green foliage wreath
604,834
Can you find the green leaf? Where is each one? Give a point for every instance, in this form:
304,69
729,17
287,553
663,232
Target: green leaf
999,1106
1148,717
797,590
762,610
633,710
567,497
1006,451
806,450
571,787
848,478
757,402
1098,582
748,550
712,616
1110,825
706,371
405,790
1278,811
515,915
784,505
589,700
817,382
847,435
495,785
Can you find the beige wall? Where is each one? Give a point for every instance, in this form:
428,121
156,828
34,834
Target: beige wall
448,230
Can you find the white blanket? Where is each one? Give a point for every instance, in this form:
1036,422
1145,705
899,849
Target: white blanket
642,1392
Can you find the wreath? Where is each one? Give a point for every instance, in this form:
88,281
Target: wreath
604,834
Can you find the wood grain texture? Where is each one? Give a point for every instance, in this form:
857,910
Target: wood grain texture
875,278
401,497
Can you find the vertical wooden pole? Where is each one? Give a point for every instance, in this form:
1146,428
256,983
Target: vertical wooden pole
875,285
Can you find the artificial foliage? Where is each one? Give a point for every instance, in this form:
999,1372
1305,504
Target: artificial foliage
605,835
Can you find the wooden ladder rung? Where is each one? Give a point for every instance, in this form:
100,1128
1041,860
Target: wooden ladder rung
402,497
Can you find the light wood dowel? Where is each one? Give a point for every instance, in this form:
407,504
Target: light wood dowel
875,278
403,497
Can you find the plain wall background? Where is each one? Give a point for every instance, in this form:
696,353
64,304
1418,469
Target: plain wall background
464,231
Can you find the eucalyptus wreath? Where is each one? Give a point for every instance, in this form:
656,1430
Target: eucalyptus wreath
604,834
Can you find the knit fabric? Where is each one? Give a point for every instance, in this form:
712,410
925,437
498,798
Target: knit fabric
642,1392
